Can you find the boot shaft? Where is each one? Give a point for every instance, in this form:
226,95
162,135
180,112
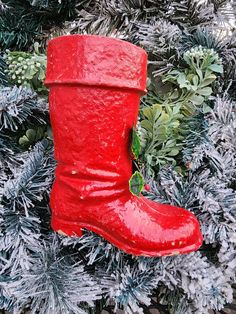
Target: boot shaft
95,88
92,126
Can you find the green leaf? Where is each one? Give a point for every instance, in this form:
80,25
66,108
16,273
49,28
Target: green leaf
195,80
218,68
206,91
23,141
29,73
174,94
136,183
206,108
136,145
174,152
197,99
170,143
199,72
182,81
190,77
31,134
208,80
36,47
41,74
147,125
174,72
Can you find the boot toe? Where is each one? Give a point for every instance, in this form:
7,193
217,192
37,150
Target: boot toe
185,234
160,229
180,231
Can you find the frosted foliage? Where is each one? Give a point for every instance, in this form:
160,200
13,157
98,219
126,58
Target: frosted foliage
32,179
132,287
17,104
202,282
158,37
222,123
56,283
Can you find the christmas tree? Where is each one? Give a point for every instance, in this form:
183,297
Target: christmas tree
186,126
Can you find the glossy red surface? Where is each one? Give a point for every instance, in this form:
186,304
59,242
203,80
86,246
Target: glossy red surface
95,87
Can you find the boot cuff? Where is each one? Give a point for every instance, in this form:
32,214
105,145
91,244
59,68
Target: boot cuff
96,61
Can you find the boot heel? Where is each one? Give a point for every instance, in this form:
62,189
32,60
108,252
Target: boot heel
66,229
78,233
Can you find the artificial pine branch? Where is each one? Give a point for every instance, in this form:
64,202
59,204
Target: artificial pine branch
192,13
19,105
17,25
32,180
56,282
3,77
22,21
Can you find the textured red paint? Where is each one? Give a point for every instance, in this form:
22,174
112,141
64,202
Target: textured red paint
95,87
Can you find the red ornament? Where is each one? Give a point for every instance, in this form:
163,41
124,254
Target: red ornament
147,187
95,87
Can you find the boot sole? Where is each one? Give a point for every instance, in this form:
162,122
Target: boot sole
60,226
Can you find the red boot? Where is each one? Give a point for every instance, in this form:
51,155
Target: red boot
95,87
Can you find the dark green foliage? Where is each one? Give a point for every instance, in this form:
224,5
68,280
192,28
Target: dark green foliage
22,21
189,87
54,12
202,37
195,81
17,25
